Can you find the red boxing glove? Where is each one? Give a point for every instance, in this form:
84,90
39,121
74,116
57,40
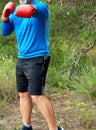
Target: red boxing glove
8,9
25,11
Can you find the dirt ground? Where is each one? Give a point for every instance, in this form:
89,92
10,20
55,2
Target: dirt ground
68,107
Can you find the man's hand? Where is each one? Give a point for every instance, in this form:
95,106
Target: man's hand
8,9
25,11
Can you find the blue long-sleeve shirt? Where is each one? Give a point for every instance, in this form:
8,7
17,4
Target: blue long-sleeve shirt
32,34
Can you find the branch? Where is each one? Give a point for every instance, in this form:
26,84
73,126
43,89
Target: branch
90,18
75,56
87,48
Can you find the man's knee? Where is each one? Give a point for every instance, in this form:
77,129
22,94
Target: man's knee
36,99
23,94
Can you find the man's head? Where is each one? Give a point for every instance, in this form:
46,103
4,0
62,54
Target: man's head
25,1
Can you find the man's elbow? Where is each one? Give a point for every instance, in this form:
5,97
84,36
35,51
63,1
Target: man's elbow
6,29
4,33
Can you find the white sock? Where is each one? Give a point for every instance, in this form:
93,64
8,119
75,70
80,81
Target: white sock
27,125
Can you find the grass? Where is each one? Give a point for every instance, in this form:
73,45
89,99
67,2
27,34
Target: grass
7,78
85,82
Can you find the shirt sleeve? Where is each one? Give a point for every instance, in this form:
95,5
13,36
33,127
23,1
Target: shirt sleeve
7,28
42,10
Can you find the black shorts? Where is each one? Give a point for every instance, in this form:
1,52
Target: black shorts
31,74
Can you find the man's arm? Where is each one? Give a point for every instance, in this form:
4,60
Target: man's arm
7,26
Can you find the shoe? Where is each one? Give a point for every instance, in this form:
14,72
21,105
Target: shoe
60,128
26,128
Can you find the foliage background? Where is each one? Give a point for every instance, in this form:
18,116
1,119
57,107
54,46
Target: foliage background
73,49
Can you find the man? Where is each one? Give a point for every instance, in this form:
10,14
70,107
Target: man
30,21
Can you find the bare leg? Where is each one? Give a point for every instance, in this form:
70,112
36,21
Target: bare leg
45,107
26,107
